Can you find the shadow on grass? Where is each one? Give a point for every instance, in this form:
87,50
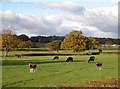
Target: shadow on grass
26,62
109,68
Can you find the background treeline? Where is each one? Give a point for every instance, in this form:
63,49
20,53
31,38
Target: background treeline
74,40
104,40
42,39
47,39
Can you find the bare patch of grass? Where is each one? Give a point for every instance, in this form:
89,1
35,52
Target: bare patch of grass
108,82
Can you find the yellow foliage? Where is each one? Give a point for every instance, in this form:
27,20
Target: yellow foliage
75,41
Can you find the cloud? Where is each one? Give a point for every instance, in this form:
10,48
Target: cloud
71,7
6,0
33,24
93,31
116,1
96,22
61,0
105,20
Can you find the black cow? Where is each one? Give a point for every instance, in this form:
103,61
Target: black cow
92,58
56,57
99,65
100,50
69,59
95,53
18,56
88,53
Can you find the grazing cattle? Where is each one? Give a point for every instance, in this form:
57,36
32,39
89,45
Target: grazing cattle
95,53
56,57
69,59
99,65
92,58
32,67
18,56
100,50
88,53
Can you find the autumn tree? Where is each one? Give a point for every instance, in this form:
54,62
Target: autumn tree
91,43
10,42
25,44
76,42
54,45
73,40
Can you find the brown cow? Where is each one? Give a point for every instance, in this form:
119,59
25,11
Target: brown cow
99,65
32,67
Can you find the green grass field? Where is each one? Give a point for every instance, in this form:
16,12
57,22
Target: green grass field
60,52
52,73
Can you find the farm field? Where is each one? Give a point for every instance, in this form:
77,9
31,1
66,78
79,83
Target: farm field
60,52
56,73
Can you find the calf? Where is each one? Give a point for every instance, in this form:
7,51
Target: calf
32,67
56,57
99,65
69,59
92,58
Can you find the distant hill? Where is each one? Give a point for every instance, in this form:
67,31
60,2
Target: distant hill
47,39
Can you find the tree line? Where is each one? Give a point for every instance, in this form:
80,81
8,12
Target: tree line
47,39
74,40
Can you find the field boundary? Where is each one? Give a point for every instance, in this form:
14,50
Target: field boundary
54,54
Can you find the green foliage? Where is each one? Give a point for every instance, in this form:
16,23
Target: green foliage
54,45
45,39
23,37
104,40
109,43
29,44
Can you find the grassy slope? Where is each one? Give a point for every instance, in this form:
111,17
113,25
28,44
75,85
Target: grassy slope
56,72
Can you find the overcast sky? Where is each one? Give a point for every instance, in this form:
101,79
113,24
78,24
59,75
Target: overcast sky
50,17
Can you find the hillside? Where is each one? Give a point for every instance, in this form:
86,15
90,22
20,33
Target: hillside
47,39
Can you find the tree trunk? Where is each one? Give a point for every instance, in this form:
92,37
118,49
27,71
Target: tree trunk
6,53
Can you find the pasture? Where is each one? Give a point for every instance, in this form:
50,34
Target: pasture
50,51
56,73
